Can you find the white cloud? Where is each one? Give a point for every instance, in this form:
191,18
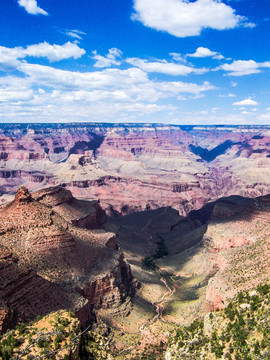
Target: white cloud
228,95
202,52
31,7
15,89
59,95
164,67
132,81
109,59
183,18
37,92
249,25
246,102
265,117
244,67
9,57
76,34
178,57
241,67
54,52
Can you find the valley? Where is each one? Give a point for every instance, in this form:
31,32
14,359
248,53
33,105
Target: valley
136,229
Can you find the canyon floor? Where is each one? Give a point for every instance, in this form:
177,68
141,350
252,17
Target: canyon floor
211,255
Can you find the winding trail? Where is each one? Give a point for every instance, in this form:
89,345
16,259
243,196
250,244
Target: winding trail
159,305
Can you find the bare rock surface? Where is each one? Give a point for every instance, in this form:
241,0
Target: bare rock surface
47,263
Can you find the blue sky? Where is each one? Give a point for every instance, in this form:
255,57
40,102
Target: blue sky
165,61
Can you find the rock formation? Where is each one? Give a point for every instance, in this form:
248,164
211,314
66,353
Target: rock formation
133,168
52,257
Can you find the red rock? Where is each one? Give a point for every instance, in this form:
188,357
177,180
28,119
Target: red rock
52,257
131,168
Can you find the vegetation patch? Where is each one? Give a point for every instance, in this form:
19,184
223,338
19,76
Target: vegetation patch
239,332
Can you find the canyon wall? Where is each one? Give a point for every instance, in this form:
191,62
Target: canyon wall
54,255
132,167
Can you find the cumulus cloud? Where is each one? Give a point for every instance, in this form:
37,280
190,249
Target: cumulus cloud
184,18
31,7
15,89
244,67
9,57
105,95
108,60
132,81
246,102
202,52
164,67
54,52
241,67
36,91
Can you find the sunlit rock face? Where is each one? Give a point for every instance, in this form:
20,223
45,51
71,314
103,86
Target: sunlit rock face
136,167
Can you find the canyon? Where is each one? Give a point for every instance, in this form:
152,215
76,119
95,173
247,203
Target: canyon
184,266
131,167
210,255
136,228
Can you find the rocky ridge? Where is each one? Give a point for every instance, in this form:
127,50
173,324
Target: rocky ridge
48,263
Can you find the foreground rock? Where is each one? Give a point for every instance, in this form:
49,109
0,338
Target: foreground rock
48,263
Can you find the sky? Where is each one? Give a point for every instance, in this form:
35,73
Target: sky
141,61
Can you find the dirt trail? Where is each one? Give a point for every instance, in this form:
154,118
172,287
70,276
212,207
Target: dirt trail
159,304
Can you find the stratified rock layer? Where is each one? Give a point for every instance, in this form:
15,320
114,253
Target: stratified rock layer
52,260
136,167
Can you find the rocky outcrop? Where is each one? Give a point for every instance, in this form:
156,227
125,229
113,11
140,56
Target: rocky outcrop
53,261
110,291
24,294
85,214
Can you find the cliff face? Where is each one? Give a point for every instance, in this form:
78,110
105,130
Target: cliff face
53,262
131,168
